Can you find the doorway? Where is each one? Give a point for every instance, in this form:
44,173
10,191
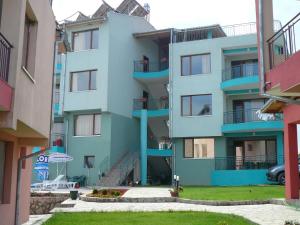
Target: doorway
145,64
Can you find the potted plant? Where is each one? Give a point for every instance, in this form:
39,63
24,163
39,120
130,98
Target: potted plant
74,194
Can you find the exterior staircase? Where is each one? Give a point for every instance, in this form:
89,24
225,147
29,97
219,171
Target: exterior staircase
119,172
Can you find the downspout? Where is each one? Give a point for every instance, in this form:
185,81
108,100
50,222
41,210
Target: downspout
261,47
21,159
171,99
262,61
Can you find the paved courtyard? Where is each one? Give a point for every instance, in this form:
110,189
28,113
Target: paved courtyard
147,192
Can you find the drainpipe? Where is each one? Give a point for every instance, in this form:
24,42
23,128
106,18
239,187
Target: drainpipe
262,61
21,159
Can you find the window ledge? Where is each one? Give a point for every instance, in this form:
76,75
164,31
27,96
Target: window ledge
197,116
85,50
197,75
93,90
98,135
28,75
198,158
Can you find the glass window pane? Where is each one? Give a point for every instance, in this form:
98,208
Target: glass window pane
97,125
196,64
89,162
188,148
93,80
185,105
80,81
201,105
2,160
185,64
95,39
204,148
82,40
84,125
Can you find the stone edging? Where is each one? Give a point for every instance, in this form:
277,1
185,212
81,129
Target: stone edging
181,200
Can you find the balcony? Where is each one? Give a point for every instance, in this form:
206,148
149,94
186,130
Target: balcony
240,78
146,71
5,88
249,120
245,163
247,170
284,56
57,141
155,107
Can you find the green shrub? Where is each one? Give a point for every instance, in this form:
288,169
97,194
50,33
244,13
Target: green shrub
95,191
104,192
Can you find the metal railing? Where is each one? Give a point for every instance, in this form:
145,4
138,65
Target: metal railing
146,66
5,48
242,70
285,42
247,162
151,104
248,115
200,33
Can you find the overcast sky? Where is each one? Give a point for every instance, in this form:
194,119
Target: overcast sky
186,13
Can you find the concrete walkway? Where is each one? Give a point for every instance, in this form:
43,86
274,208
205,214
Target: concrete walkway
262,214
147,192
37,219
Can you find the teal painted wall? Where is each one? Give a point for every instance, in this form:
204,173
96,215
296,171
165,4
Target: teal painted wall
119,135
124,136
238,177
78,147
196,126
196,171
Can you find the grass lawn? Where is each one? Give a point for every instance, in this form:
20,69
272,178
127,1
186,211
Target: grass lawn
146,218
233,193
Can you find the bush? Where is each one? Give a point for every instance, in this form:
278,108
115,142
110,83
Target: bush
290,222
95,191
104,192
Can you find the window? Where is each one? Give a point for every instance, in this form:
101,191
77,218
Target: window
195,64
2,160
89,161
87,125
196,105
84,80
29,45
199,148
84,40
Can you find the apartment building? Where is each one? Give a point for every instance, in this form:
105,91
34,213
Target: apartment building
279,60
140,104
26,46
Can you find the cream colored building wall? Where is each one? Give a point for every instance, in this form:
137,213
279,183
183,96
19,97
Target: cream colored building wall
32,97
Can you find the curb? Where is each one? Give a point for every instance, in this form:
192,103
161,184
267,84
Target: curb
181,200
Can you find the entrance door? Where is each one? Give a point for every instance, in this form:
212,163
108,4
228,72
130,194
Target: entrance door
146,98
238,112
145,64
239,154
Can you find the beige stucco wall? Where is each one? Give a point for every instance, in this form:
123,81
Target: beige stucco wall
31,107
